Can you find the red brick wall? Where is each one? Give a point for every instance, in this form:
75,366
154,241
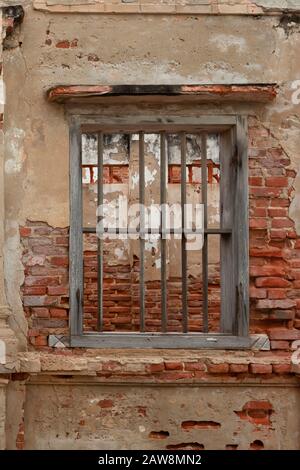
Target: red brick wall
45,290
121,296
274,264
274,245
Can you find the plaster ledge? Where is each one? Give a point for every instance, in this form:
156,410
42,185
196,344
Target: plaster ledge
121,361
209,7
260,93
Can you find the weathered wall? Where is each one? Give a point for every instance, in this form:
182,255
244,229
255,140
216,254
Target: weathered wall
61,48
141,417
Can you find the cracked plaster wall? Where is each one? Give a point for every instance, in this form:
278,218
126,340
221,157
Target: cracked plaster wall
125,49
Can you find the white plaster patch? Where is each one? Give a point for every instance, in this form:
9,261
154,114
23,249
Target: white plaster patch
149,176
120,253
151,243
36,260
134,180
14,140
152,142
220,72
225,41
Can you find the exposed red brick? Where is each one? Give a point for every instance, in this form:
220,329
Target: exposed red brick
60,260
194,366
280,345
258,223
173,365
267,252
271,282
218,368
63,44
106,403
191,425
281,304
277,293
277,181
284,334
159,435
40,312
185,446
282,223
25,231
281,368
238,368
261,368
257,445
58,290
256,181
257,412
268,270
154,368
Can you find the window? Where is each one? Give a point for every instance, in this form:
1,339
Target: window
154,277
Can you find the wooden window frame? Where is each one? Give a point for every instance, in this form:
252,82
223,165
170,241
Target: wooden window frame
234,322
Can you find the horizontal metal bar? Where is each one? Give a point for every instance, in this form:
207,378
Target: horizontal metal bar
161,341
172,231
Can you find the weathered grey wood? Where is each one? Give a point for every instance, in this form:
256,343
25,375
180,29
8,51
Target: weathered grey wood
145,122
228,182
241,229
76,245
161,341
100,240
257,342
205,241
234,214
234,231
185,319
163,241
142,229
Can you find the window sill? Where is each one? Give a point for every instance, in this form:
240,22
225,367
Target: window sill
161,341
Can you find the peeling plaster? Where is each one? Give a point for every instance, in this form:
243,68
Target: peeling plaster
14,147
14,276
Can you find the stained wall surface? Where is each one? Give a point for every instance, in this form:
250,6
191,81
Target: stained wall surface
94,42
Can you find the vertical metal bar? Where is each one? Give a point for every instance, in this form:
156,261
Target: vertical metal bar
163,248
100,240
205,244
142,229
183,237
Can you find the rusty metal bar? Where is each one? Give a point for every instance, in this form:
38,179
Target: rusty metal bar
100,240
205,235
184,294
163,247
142,229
